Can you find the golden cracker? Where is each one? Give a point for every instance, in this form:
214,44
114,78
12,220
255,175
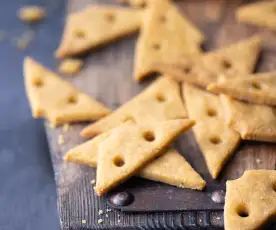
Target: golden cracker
95,26
238,58
250,201
170,167
251,121
216,141
161,101
57,100
131,146
256,88
260,14
166,32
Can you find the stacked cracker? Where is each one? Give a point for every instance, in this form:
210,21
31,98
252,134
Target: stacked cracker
136,138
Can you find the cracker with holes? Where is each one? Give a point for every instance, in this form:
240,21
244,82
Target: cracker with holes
95,26
251,121
161,101
57,100
130,146
170,167
250,201
216,141
165,33
255,88
260,14
238,58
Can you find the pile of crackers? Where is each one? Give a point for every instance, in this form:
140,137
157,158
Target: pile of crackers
215,93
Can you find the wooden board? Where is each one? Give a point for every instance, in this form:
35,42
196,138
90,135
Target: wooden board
107,76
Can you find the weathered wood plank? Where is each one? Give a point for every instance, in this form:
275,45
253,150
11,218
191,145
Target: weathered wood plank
107,75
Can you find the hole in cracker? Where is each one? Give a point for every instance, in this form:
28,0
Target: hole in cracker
72,99
274,186
160,97
242,211
255,85
226,64
110,17
38,82
129,118
80,34
215,140
149,136
143,4
156,46
162,19
211,112
118,161
186,69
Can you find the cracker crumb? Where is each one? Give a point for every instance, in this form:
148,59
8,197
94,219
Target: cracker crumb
66,127
83,221
70,66
108,210
100,212
52,126
100,221
31,14
258,161
24,40
119,221
93,181
60,139
106,215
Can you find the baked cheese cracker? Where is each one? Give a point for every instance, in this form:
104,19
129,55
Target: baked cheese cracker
57,100
95,26
161,101
251,121
166,32
130,146
250,201
260,13
170,167
256,88
216,141
238,58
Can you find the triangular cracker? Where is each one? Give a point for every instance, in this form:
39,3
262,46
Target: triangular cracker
159,102
256,88
57,100
131,146
260,14
250,201
238,58
165,32
216,141
95,26
251,121
170,167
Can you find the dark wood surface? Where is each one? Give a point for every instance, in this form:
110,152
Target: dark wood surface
107,76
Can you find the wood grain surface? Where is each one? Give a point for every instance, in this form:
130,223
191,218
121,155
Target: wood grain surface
107,76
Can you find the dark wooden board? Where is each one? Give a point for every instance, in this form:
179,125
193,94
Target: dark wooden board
107,76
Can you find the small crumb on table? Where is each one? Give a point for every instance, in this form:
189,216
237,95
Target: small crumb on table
70,66
258,161
31,14
93,181
60,139
66,127
83,221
